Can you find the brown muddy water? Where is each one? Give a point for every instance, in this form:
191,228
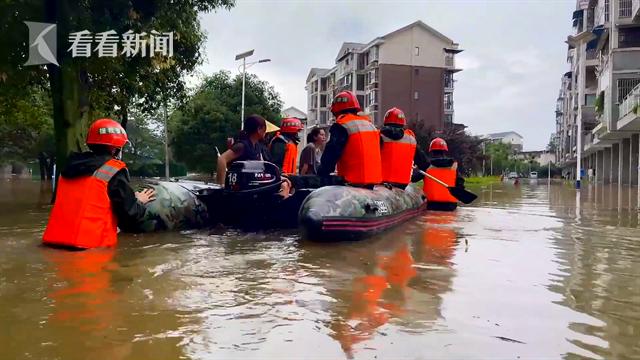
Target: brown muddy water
526,272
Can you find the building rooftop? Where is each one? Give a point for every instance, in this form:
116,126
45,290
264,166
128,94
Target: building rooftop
500,135
348,47
317,71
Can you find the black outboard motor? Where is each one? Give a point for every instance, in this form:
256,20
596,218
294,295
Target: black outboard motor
251,192
253,177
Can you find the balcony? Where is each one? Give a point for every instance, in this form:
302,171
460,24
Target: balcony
591,56
448,86
629,110
448,107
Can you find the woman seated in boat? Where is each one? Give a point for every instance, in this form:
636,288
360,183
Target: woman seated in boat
445,169
248,146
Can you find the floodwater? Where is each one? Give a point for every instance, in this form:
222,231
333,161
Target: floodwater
527,271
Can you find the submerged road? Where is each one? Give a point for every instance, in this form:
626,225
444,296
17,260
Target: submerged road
528,271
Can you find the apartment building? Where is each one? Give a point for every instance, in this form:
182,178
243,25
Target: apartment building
510,138
597,123
411,68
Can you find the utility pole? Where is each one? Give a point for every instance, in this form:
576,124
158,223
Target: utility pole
244,73
166,142
483,157
244,56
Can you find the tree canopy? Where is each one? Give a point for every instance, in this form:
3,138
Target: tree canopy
212,115
83,89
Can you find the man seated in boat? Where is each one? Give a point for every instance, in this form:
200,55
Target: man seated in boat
284,146
444,168
354,145
399,151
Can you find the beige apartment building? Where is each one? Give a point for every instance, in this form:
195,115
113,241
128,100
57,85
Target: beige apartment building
411,68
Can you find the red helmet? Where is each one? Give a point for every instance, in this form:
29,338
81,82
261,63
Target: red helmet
107,132
345,100
291,125
438,144
395,116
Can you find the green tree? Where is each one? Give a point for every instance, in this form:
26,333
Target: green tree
25,124
212,115
84,88
146,135
464,148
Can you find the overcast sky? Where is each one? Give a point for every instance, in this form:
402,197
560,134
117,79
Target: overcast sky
514,51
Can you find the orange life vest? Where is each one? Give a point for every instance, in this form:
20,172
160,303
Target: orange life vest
290,154
360,163
82,216
435,192
397,158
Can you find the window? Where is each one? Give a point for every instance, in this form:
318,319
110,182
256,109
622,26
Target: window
347,61
416,72
629,37
416,51
415,95
360,83
360,99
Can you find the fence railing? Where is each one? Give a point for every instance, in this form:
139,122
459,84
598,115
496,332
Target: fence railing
631,102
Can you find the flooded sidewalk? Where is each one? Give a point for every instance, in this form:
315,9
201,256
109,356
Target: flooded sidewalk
527,271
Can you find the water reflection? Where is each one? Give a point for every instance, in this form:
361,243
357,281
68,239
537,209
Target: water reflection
527,271
83,294
600,270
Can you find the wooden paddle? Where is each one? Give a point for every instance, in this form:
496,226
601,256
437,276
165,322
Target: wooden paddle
461,194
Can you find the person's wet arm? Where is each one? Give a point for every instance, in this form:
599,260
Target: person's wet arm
420,160
226,157
128,210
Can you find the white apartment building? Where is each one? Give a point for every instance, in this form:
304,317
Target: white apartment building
596,127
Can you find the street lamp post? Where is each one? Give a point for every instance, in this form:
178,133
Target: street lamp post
244,57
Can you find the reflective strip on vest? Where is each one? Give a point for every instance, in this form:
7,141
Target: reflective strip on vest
355,126
106,172
410,140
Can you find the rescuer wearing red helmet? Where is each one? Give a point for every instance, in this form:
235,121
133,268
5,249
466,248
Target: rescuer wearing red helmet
354,144
93,194
399,151
445,169
284,146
